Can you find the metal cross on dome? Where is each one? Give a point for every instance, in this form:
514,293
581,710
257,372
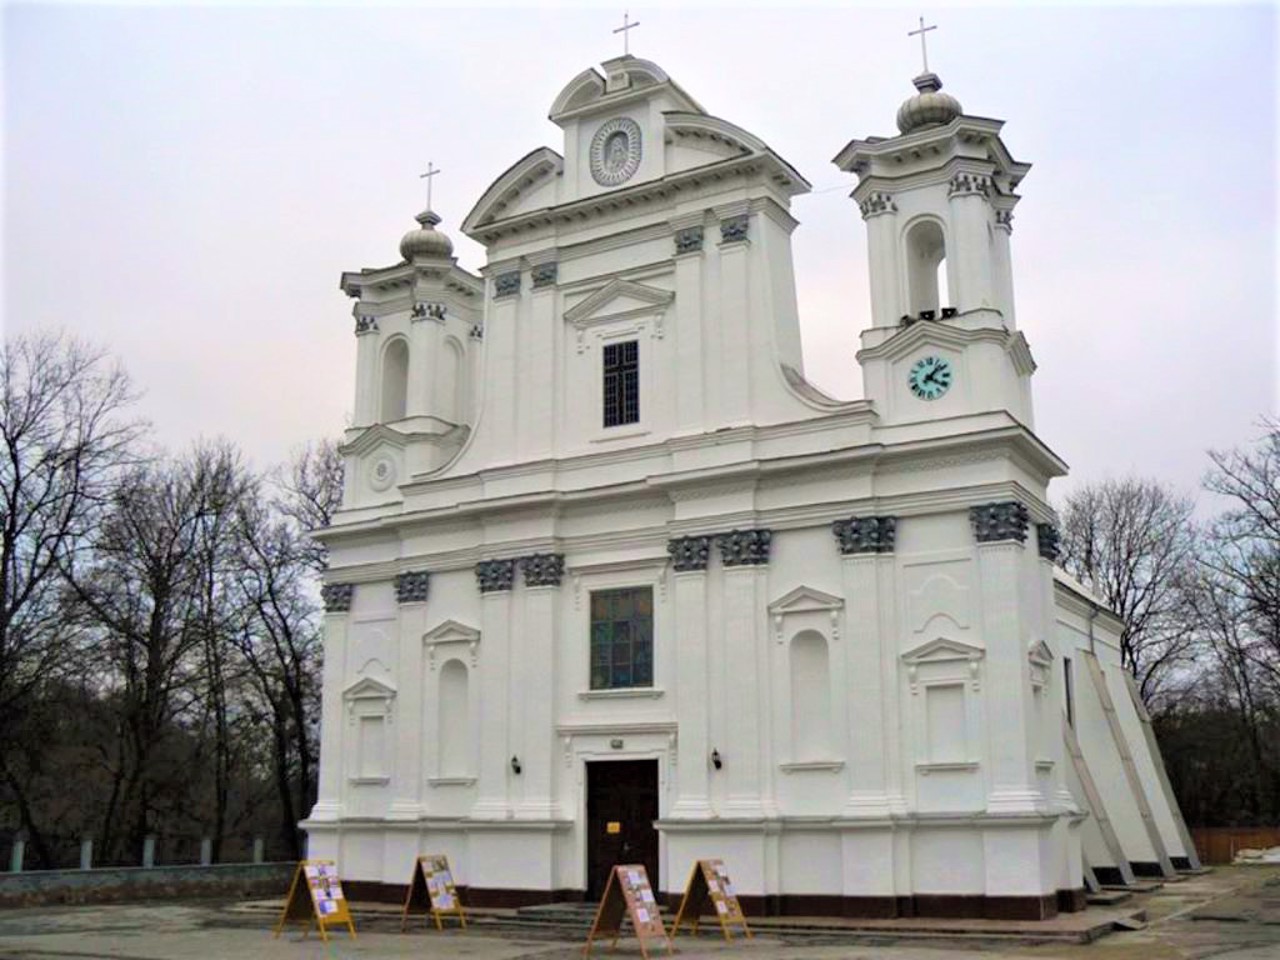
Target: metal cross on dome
431,172
626,26
924,52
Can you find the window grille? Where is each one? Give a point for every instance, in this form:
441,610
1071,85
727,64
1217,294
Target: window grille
621,383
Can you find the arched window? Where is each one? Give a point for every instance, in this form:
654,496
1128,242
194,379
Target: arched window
926,267
810,698
395,381
449,385
454,724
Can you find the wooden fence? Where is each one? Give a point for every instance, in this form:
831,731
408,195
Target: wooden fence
1221,844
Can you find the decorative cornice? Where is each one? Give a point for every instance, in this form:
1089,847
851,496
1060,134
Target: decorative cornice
495,575
689,240
506,284
866,534
411,587
337,597
543,569
735,229
994,522
689,553
1049,541
544,275
877,203
744,547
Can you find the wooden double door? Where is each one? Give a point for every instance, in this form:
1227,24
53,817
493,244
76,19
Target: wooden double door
622,804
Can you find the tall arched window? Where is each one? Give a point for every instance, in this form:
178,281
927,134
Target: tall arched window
454,724
810,698
395,381
926,267
450,383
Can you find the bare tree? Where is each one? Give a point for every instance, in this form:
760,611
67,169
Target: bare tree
1132,542
65,430
311,488
1246,537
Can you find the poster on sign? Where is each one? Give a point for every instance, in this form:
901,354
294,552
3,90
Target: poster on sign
710,892
315,896
431,888
627,894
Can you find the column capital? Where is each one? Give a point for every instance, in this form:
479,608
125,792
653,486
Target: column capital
689,553
866,535
1049,541
999,522
493,576
740,548
542,569
411,587
337,597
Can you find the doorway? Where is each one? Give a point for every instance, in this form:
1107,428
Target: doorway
622,804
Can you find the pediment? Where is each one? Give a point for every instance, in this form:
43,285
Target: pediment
805,600
533,173
943,650
451,631
1040,654
368,688
618,298
374,437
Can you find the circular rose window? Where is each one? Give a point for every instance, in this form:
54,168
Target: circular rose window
615,152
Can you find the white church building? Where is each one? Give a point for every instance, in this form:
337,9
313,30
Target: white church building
613,583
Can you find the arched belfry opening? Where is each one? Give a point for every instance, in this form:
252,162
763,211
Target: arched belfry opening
395,381
926,266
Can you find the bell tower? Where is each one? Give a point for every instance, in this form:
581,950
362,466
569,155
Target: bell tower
938,203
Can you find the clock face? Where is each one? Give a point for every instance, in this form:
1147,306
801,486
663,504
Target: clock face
930,377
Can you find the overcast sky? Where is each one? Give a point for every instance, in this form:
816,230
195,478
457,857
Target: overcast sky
184,185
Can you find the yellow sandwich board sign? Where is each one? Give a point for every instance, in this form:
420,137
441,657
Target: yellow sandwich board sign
628,894
316,896
432,887
710,891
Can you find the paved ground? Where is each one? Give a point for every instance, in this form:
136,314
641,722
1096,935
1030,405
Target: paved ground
1232,913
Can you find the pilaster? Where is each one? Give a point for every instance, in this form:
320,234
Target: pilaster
969,248
735,309
689,240
538,359
689,559
881,215
407,777
1001,532
337,599
535,736
747,770
367,341
495,579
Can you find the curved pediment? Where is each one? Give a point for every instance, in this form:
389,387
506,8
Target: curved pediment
625,76
532,174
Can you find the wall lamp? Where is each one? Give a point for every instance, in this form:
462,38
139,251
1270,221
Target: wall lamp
715,759
515,766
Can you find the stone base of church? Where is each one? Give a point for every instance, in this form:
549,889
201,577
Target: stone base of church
781,905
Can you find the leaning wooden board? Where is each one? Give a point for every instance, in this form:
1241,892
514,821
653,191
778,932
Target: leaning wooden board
628,894
316,896
432,887
710,891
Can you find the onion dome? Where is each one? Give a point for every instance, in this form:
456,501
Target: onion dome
928,107
426,242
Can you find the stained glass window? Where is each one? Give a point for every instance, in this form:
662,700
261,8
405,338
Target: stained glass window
622,638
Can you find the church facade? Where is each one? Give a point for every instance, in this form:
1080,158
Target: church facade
612,582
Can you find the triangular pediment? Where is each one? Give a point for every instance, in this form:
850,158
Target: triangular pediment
451,631
805,600
1040,654
942,650
368,688
374,437
618,298
533,173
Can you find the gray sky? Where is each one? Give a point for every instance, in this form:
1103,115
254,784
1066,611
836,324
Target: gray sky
184,185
